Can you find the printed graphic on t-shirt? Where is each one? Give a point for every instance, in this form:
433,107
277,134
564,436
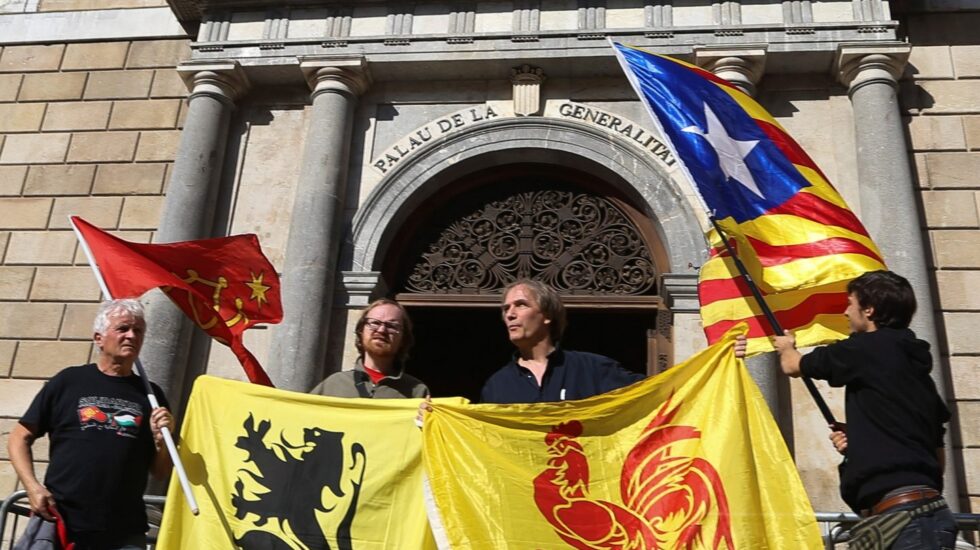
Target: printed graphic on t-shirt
110,413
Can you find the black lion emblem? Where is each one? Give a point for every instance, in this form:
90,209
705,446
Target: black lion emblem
295,487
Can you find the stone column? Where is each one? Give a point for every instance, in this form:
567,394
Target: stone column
888,191
742,66
316,228
188,209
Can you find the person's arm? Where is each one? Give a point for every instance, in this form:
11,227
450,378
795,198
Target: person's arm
162,464
22,458
941,455
838,436
741,345
789,356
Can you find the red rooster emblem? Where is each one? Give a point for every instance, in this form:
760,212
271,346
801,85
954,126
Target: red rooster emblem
669,500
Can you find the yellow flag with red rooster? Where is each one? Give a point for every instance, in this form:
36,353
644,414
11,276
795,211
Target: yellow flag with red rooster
688,459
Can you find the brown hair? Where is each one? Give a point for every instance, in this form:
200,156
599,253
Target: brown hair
408,337
549,302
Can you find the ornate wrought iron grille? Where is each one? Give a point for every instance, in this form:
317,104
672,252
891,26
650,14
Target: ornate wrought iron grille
576,242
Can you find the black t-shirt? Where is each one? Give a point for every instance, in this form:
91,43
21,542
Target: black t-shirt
569,375
101,447
895,416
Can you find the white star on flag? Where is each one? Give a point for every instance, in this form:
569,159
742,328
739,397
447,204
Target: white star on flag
731,152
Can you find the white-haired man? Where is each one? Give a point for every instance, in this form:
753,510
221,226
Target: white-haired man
104,439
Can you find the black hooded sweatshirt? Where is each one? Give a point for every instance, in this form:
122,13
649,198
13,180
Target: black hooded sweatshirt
894,414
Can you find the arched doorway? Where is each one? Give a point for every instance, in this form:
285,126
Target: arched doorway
557,224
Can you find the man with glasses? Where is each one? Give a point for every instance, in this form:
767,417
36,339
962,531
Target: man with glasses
383,339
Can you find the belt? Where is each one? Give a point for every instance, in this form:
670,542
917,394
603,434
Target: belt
905,497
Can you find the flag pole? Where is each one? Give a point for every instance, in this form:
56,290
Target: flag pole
151,397
773,322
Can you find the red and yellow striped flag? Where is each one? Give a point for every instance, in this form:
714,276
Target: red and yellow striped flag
792,230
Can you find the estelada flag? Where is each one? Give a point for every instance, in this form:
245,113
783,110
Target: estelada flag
690,458
278,469
225,285
792,229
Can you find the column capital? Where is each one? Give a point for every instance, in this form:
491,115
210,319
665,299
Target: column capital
743,66
357,287
225,80
680,292
859,64
341,74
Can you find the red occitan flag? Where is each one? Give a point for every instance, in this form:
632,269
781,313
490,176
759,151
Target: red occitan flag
225,285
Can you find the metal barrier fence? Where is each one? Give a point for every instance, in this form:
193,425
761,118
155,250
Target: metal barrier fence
838,523
11,507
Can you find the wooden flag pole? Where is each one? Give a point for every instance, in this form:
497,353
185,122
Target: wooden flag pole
773,322
154,403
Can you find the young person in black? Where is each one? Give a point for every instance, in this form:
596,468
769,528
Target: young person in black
895,417
104,439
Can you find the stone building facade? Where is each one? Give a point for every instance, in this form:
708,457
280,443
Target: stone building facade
375,146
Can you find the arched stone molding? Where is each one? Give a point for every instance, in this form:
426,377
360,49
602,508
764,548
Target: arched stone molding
541,140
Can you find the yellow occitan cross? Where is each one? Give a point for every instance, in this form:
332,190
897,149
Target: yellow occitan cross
258,289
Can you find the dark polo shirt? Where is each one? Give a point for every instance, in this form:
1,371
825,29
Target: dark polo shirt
569,375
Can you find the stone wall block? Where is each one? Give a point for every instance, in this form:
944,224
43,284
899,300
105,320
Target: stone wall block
15,282
96,55
968,414
951,96
158,53
947,170
24,213
77,5
30,320
40,248
966,61
7,348
958,291
167,83
45,359
4,239
75,115
99,211
950,209
971,469
9,86
971,127
956,248
147,114
16,396
929,62
141,212
59,179
961,332
936,133
66,284
77,323
963,371
129,179
22,59
158,145
34,148
52,86
12,179
103,147
21,117
118,85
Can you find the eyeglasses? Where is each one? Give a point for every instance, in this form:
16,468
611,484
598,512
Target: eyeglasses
377,324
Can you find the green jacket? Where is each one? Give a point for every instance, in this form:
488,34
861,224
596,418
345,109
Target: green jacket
357,383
